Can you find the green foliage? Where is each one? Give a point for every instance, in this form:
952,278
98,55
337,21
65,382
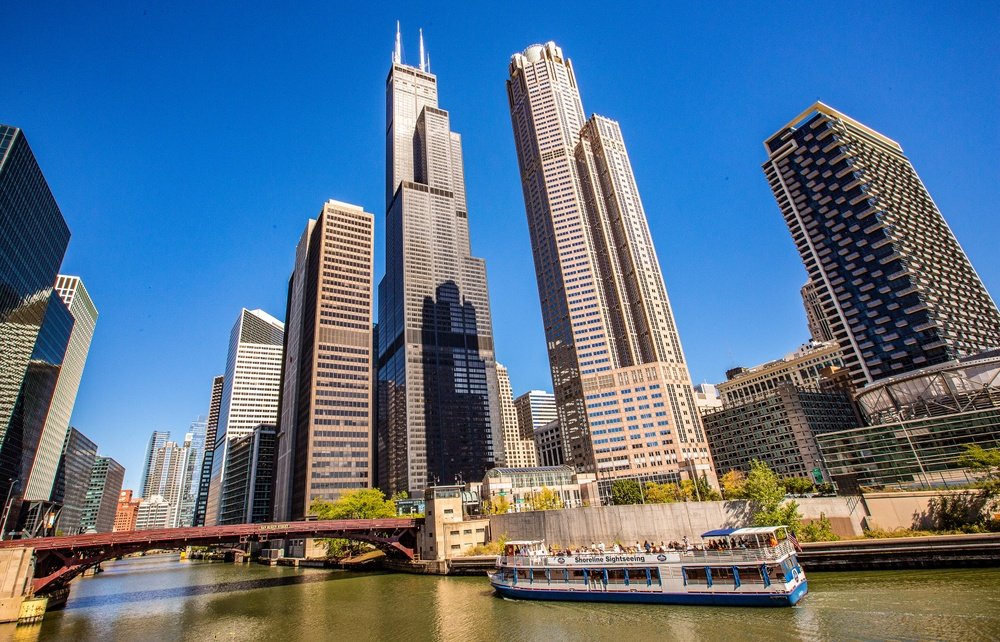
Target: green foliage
340,548
365,503
625,491
398,495
733,484
959,511
818,530
826,488
986,463
766,494
699,491
497,506
798,485
662,493
545,499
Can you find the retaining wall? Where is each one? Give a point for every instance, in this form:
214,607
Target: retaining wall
659,522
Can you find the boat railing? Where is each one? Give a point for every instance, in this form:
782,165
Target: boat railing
762,554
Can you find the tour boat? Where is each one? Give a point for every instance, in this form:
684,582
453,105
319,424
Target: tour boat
754,566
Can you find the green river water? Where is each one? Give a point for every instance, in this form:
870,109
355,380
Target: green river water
162,598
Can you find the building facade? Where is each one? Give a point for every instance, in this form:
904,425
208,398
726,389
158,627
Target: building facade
73,479
101,502
621,382
707,398
205,476
327,421
439,416
918,425
897,289
46,460
518,449
127,512
779,427
249,483
250,391
156,441
519,486
153,512
803,368
537,419
819,326
33,240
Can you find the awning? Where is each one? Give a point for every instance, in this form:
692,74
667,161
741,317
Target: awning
720,532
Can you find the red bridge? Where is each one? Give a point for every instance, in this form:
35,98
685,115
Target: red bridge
59,559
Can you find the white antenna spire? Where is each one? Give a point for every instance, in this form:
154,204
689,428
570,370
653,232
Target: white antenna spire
428,62
397,54
423,63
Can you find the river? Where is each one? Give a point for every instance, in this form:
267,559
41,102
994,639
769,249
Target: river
161,598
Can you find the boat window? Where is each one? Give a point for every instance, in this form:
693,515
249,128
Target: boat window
616,575
523,574
777,573
723,575
696,575
576,575
750,575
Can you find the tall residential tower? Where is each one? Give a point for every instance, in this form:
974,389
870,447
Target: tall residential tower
439,417
622,387
893,283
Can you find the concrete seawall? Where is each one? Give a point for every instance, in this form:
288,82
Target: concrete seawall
660,522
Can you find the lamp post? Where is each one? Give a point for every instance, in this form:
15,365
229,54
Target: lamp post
6,507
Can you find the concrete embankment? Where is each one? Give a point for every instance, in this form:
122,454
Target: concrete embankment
939,551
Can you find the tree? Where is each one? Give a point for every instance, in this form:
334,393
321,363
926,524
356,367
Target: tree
662,493
798,485
497,506
364,503
733,484
545,499
699,491
986,463
766,494
818,530
625,491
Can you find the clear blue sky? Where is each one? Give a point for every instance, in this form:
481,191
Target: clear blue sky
188,145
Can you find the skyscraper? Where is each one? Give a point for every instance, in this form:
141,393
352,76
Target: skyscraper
169,477
246,494
201,503
189,494
439,416
327,421
101,503
819,327
72,480
250,391
33,240
538,420
75,296
517,449
897,289
156,441
622,387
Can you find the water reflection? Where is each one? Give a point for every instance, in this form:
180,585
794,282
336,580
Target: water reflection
163,599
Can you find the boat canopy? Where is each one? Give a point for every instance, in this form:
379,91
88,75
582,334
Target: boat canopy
740,532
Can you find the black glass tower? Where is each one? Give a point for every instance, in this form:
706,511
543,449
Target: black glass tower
33,240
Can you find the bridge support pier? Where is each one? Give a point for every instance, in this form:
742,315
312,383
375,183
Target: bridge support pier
16,572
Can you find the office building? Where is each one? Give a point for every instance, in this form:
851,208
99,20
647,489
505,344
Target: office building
520,486
127,513
327,421
779,427
170,478
819,326
439,416
101,502
156,441
518,441
707,398
537,420
802,368
249,482
918,425
154,512
76,298
250,391
895,286
205,475
195,441
73,479
623,391
33,240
